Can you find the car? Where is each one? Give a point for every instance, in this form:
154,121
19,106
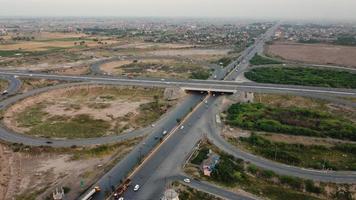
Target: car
206,101
186,180
49,142
182,127
153,125
16,76
164,132
163,79
4,92
31,75
136,188
121,198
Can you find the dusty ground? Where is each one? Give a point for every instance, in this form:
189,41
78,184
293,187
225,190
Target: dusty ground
41,171
314,53
154,67
190,52
30,84
80,70
145,45
119,106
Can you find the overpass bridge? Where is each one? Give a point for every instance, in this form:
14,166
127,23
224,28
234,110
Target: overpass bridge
209,90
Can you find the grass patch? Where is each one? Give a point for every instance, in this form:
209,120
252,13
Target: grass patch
224,62
201,74
261,60
80,126
303,76
190,193
338,157
293,121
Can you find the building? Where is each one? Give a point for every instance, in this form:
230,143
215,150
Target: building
208,165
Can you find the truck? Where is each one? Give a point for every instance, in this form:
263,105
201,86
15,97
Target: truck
122,188
91,193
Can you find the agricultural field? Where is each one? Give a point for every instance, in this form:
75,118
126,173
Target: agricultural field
303,76
30,173
314,53
86,111
241,177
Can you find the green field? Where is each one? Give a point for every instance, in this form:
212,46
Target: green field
303,76
260,60
338,157
293,121
235,173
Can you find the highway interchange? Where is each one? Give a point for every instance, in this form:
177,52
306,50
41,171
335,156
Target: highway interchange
161,163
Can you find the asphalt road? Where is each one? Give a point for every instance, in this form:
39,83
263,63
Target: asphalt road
122,169
208,85
169,157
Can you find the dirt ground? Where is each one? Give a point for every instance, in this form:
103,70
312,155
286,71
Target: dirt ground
118,107
43,46
314,53
190,52
30,84
34,175
114,67
145,45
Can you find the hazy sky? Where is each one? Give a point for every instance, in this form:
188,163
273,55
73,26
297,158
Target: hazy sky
291,9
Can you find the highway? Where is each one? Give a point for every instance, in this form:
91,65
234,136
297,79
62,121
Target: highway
204,85
163,161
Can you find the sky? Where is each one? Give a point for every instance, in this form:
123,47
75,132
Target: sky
253,9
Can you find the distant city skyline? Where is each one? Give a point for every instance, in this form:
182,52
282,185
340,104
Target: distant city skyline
254,9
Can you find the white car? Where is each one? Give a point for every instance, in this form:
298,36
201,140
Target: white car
164,132
4,92
186,180
136,188
121,198
182,127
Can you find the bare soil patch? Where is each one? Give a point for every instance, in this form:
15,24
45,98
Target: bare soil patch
314,53
70,112
34,173
190,52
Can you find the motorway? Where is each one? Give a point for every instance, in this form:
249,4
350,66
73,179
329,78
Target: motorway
168,159
165,163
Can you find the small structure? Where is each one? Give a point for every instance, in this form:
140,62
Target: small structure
208,165
170,194
58,194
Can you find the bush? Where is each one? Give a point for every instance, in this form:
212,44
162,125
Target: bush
259,60
294,121
293,182
310,187
303,76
